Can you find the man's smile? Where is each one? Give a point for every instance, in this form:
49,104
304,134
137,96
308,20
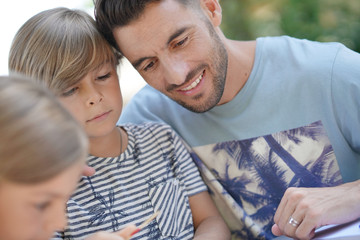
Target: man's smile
193,84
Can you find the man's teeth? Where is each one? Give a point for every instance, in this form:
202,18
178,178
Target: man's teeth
193,85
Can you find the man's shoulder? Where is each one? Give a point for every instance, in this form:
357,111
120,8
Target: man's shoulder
303,54
287,43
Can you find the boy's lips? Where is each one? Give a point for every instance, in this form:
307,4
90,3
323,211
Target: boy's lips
99,116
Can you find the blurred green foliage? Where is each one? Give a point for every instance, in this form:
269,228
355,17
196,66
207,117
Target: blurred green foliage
319,20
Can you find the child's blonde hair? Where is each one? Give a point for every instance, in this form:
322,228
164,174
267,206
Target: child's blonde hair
59,47
39,138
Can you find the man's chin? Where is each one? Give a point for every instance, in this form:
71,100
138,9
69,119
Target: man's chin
197,108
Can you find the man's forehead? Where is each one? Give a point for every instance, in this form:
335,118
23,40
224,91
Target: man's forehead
133,41
155,28
137,43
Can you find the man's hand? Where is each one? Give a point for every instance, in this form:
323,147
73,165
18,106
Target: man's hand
302,210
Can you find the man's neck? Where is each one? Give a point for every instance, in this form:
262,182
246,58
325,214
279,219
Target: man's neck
241,56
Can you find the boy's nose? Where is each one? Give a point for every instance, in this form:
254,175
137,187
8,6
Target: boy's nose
94,96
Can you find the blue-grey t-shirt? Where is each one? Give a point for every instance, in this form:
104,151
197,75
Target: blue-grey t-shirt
296,122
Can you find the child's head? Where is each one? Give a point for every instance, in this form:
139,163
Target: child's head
59,47
42,155
63,49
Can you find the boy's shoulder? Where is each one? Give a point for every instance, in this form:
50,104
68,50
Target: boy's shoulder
153,127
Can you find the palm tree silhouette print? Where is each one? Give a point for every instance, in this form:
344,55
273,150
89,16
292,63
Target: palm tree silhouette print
104,209
269,174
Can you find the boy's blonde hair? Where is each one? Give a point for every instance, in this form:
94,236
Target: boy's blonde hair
39,138
59,47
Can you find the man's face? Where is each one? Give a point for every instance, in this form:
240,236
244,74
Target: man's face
177,51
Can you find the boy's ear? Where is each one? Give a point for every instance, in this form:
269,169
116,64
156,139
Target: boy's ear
213,9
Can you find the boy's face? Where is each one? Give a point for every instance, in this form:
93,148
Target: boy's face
36,211
178,52
95,101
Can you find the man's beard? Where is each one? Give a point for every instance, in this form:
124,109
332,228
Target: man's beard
220,66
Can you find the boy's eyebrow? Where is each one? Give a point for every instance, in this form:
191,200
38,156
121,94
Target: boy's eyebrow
180,31
101,64
49,194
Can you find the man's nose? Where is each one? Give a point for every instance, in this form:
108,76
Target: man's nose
175,70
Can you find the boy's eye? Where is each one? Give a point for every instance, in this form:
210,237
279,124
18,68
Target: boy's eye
42,206
69,92
103,77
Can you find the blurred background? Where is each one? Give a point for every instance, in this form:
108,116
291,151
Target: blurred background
319,20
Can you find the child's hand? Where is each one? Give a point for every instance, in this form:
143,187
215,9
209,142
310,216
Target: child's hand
123,234
88,171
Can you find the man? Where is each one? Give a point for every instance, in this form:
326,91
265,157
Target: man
274,121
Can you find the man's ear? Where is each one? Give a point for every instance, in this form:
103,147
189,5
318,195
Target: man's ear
213,9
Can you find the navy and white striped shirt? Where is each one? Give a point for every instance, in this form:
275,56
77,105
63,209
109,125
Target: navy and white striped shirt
155,173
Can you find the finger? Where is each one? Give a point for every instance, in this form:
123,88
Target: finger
283,204
306,229
112,237
293,196
295,220
104,236
88,171
276,230
280,208
127,231
287,212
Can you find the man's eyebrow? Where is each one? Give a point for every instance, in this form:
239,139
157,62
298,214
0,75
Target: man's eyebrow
180,31
176,34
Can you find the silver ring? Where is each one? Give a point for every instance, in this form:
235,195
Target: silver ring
293,222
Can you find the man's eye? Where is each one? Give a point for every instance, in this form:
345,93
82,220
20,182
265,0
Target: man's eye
69,92
181,42
104,77
149,66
